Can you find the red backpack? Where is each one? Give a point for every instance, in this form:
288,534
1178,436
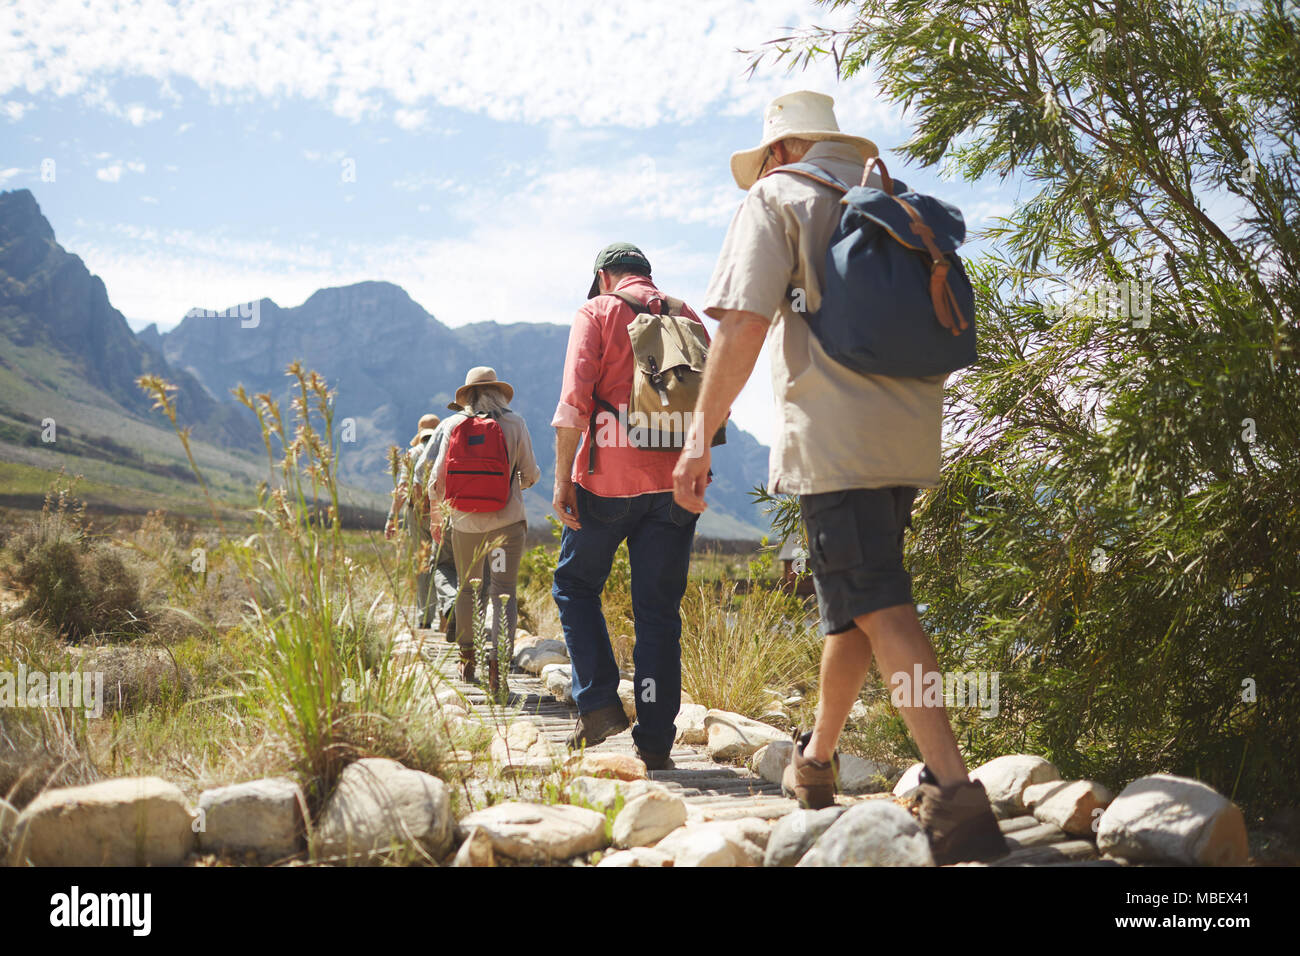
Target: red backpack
478,468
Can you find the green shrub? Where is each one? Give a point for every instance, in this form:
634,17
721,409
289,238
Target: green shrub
70,584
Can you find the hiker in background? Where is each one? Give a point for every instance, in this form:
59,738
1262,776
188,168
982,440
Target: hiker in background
413,507
444,581
484,463
613,490
854,447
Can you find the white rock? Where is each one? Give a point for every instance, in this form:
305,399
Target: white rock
648,818
627,697
748,838
796,832
910,780
262,816
1005,779
770,760
533,832
131,821
8,817
864,776
701,846
534,657
476,850
1169,819
690,725
602,793
558,679
875,833
379,804
733,736
641,856
1074,807
521,748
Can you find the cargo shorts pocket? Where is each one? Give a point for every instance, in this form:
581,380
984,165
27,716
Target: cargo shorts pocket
833,539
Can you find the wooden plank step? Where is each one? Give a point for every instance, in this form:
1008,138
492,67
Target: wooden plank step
1067,852
1041,835
1013,824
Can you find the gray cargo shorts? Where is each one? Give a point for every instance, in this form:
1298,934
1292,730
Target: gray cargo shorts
855,551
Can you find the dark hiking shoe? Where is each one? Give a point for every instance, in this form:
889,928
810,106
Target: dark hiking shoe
808,781
593,727
467,665
959,822
655,761
449,627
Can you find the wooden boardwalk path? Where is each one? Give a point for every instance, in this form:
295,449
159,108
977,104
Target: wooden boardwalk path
718,791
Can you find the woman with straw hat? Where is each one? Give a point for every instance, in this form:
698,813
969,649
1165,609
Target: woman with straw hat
484,463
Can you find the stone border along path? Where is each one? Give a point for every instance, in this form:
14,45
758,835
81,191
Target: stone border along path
718,791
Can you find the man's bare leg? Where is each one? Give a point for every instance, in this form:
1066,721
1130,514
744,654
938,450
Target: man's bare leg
846,661
899,643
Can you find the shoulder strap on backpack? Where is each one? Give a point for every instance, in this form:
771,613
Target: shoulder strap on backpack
671,306
815,173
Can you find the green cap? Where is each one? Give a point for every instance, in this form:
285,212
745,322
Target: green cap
617,254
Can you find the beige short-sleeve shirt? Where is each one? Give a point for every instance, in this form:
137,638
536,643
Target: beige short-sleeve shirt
836,428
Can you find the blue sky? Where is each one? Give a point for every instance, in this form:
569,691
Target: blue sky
206,154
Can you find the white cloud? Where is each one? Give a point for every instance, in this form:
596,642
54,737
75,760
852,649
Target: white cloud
10,173
137,114
598,63
13,111
112,173
410,119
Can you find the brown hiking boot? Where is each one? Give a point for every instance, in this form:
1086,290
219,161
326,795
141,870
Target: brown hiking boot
809,782
593,727
467,664
654,761
959,822
494,675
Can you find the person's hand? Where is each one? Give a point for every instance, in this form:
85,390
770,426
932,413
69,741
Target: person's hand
691,476
435,531
565,503
390,529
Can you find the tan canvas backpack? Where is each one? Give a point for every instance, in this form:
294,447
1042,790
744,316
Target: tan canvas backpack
668,355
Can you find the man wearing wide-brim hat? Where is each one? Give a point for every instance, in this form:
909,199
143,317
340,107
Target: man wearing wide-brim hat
410,501
855,448
485,541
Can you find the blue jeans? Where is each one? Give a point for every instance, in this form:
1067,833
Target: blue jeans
659,533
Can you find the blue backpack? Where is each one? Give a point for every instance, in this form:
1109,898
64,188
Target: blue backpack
897,300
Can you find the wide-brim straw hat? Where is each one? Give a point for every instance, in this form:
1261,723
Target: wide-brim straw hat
802,115
483,375
425,427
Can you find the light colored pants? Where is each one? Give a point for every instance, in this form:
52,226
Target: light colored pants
504,566
418,537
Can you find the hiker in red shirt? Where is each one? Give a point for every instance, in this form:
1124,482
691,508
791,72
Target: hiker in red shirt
612,490
484,463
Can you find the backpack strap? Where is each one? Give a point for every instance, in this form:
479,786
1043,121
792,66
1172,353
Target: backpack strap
815,173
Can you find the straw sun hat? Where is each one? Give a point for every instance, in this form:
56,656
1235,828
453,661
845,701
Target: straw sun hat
802,115
482,375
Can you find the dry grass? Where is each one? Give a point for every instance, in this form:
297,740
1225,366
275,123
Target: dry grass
736,649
